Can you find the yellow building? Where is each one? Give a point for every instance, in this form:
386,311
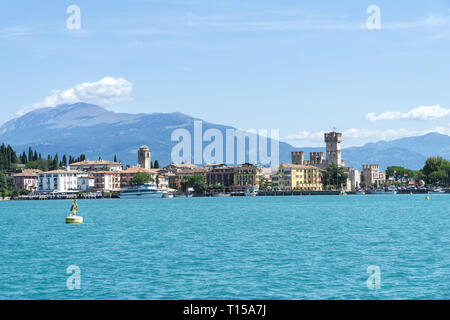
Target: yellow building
299,177
247,175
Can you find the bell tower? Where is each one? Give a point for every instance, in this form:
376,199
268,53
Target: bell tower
144,157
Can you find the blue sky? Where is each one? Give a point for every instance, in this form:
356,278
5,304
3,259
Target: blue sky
303,67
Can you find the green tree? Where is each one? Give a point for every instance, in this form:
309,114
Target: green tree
334,175
439,177
156,165
23,158
141,178
436,171
198,183
55,163
115,158
30,154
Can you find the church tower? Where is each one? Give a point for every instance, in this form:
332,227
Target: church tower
144,157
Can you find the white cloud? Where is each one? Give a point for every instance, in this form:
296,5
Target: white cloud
420,113
306,135
107,91
431,21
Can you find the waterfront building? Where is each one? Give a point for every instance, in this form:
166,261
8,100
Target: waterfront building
58,181
298,177
247,174
96,165
106,181
371,175
144,157
177,173
85,182
27,179
354,179
127,175
162,181
220,174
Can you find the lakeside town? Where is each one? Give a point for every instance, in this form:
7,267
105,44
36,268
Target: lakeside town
321,174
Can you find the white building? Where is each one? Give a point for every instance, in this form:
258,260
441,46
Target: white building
85,183
98,165
61,181
355,179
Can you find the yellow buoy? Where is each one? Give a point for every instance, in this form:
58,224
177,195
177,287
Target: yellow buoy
427,198
72,217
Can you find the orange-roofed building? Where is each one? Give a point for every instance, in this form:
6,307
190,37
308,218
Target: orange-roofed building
127,175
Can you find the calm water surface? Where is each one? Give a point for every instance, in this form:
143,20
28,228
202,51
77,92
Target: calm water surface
228,248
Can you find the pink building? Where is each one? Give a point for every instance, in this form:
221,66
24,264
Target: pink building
27,179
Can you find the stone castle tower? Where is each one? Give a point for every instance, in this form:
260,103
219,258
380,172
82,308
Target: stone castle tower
316,158
144,157
333,142
298,157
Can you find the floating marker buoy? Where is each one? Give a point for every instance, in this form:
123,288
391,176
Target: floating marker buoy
72,217
427,197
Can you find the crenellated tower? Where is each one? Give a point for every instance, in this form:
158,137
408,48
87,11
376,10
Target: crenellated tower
333,142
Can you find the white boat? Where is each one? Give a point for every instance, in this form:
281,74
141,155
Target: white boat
252,191
167,194
438,190
392,189
148,190
379,191
362,192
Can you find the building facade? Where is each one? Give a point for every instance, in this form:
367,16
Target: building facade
144,157
127,175
96,165
106,181
371,175
298,177
176,173
27,179
354,177
247,174
85,183
60,181
222,175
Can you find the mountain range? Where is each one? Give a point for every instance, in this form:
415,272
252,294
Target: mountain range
96,132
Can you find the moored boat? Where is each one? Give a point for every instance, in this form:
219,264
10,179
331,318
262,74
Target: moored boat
148,190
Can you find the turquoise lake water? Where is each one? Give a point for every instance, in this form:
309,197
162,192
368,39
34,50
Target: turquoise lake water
308,247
